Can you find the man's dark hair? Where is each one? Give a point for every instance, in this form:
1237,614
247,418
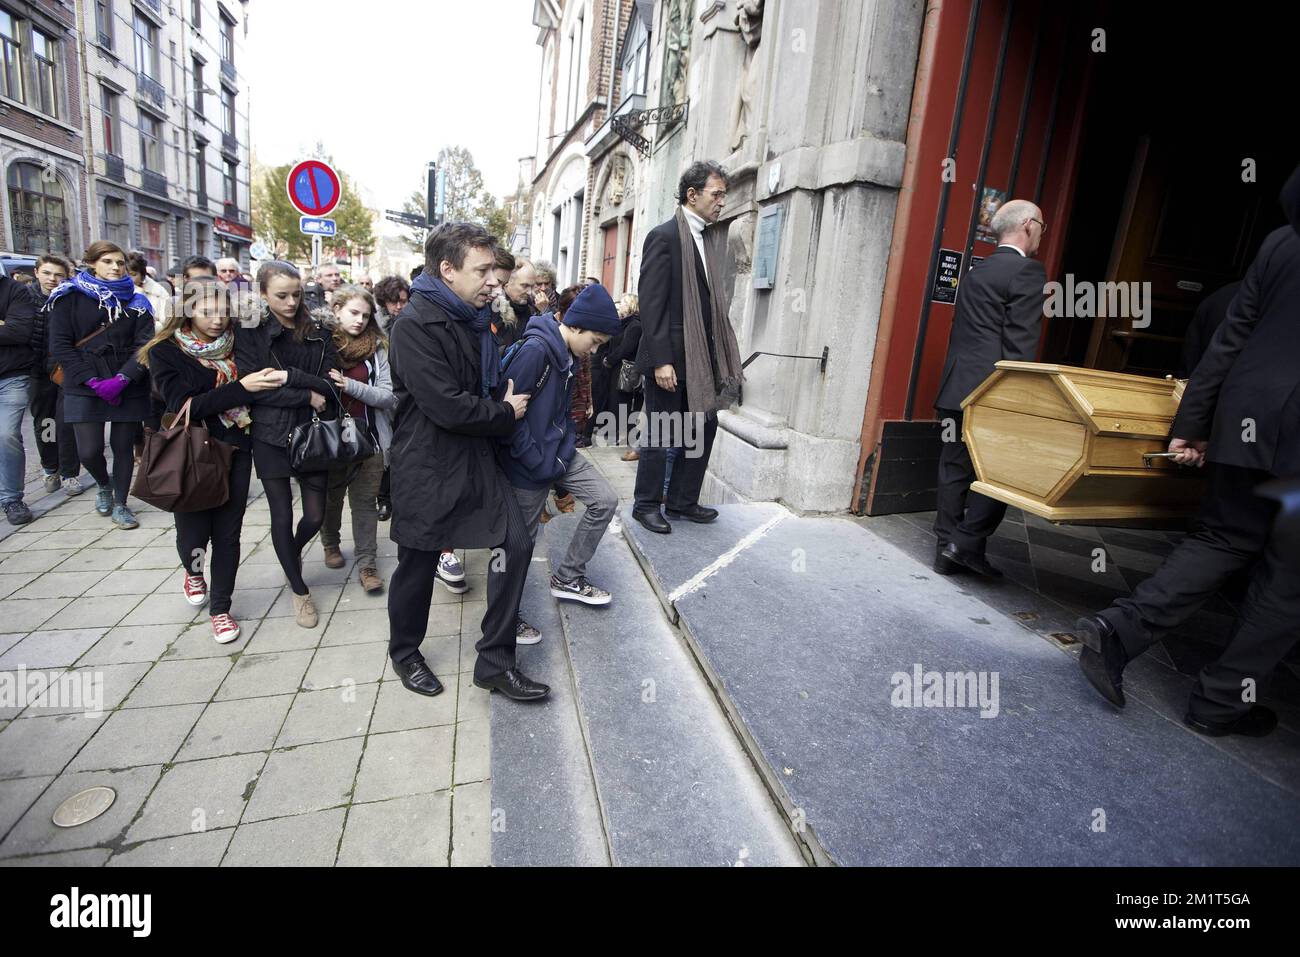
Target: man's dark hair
696,175
197,262
415,273
505,259
452,242
135,263
391,289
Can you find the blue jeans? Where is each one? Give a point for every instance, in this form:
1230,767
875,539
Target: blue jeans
14,391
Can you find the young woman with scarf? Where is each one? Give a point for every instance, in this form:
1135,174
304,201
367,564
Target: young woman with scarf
192,358
363,379
96,324
287,338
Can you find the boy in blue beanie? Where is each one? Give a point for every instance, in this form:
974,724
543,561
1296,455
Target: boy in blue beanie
542,451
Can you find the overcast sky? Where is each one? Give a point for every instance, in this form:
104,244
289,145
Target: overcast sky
392,80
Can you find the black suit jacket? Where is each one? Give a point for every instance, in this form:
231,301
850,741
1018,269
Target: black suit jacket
1251,370
1205,323
660,292
999,315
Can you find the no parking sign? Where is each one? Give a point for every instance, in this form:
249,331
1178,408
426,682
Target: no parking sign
314,188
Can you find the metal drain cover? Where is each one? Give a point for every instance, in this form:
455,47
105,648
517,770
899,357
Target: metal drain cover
84,806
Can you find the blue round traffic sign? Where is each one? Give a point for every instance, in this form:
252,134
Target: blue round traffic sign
314,188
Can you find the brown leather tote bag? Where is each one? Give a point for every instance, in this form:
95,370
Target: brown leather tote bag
183,468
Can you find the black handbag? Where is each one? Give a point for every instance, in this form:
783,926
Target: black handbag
320,445
629,380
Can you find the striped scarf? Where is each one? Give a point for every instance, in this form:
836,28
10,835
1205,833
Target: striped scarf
218,356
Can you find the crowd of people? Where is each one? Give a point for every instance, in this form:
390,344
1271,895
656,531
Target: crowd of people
100,351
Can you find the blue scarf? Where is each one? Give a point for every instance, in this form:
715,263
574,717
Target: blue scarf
480,321
114,295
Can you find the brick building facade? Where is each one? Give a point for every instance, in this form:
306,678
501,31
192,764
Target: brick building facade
125,120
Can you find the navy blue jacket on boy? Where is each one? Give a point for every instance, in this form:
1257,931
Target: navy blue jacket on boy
544,441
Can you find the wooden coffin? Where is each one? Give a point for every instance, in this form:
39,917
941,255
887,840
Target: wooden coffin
1066,443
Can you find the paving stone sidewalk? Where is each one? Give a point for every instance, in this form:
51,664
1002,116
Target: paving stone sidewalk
287,747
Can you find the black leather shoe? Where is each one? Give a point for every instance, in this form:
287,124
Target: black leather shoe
416,676
942,565
515,685
976,563
1103,657
1255,723
653,521
385,508
700,514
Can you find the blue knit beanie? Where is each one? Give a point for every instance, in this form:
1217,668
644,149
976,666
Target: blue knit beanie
593,309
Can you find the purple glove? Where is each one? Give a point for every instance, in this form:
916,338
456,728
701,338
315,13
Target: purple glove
110,390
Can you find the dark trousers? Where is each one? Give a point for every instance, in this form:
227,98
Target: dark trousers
963,518
1233,529
216,531
411,590
661,433
60,453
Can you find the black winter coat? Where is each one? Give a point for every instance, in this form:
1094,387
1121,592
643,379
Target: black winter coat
447,488
178,377
19,330
75,316
269,345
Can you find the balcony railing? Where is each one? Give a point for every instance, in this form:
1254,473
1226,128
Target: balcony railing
155,5
230,144
230,210
114,168
152,182
228,70
105,40
151,88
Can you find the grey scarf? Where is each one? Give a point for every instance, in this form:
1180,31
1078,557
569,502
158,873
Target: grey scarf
702,388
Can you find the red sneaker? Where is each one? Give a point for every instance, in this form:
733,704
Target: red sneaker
224,629
196,590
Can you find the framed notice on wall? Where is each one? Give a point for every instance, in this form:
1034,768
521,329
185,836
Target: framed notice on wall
767,246
947,272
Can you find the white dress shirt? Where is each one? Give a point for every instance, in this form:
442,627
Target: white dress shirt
697,231
1012,246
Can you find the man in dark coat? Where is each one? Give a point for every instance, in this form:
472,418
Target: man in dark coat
662,356
446,484
1241,414
18,362
998,315
1205,323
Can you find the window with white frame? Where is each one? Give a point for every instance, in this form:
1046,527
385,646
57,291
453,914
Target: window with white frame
151,142
227,111
110,107
45,73
146,47
11,58
104,21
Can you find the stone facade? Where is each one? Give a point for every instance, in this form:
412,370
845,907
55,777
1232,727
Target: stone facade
806,104
170,69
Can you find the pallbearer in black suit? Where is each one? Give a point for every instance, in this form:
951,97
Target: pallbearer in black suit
1244,398
999,314
688,351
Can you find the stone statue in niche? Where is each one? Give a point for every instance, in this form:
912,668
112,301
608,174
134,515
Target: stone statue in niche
677,48
749,18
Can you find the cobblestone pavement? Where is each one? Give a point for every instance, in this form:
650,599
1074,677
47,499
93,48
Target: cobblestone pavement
288,746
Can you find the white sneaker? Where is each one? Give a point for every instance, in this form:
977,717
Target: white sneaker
526,634
450,569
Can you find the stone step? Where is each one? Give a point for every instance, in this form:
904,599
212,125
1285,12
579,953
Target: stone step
803,627
544,808
673,785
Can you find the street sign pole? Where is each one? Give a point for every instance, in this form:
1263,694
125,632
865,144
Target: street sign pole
315,253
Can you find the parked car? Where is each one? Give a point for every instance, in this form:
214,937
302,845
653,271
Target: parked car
11,263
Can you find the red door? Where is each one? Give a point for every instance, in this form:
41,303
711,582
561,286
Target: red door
609,257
